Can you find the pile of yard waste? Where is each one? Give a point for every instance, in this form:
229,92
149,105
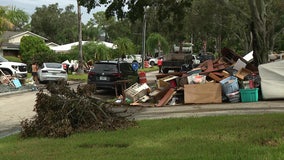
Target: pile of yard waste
61,111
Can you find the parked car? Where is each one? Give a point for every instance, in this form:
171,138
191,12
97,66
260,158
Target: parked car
51,72
16,69
131,58
153,61
105,73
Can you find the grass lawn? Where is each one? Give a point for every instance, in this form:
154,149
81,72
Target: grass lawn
256,137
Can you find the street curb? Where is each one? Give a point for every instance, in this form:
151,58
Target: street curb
15,92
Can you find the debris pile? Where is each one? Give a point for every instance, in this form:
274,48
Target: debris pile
9,83
230,78
62,111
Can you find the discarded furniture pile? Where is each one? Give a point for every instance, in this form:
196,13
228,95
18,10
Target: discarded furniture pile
7,79
10,83
228,79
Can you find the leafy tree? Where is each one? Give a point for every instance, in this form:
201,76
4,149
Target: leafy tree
67,32
90,32
93,51
165,10
34,49
55,24
120,29
5,23
264,22
156,42
124,46
102,52
19,18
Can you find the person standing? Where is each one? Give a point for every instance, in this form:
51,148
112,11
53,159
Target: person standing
160,63
34,72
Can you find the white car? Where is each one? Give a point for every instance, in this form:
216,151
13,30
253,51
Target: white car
52,72
153,61
16,69
131,58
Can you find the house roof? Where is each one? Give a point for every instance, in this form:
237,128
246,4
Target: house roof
7,34
28,33
12,34
52,44
67,47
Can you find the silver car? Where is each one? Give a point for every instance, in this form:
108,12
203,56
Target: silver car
52,72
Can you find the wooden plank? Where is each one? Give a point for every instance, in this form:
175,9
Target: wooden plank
214,77
166,97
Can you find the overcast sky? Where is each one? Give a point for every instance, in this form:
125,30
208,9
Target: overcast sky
30,5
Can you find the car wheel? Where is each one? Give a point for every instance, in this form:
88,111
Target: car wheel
165,71
7,73
152,63
177,70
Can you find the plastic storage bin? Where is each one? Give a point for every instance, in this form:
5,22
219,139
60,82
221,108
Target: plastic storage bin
229,85
249,95
234,97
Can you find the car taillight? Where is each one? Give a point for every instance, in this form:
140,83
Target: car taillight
91,74
116,75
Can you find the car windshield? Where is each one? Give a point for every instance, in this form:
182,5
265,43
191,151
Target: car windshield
105,67
2,59
53,65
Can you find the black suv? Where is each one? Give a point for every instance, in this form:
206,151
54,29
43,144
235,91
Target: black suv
105,73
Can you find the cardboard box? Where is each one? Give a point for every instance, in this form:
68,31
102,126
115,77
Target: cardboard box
203,93
242,73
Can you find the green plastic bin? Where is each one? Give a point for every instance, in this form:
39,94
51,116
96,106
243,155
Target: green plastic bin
249,95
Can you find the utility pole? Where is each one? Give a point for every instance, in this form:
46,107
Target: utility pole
144,38
80,57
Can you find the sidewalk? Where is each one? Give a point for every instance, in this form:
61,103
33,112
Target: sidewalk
199,110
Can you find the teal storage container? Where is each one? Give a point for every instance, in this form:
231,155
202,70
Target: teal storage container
249,95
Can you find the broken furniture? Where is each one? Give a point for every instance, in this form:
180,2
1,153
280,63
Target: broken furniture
122,84
136,91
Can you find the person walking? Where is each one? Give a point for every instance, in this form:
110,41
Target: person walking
34,72
160,63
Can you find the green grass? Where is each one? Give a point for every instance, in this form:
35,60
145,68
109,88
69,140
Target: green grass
78,77
154,68
256,137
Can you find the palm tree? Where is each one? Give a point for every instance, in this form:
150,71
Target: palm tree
101,52
5,23
124,46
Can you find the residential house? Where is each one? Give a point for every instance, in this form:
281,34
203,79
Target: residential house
10,42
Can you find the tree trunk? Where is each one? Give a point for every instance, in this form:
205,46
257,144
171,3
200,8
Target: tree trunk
80,67
259,31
